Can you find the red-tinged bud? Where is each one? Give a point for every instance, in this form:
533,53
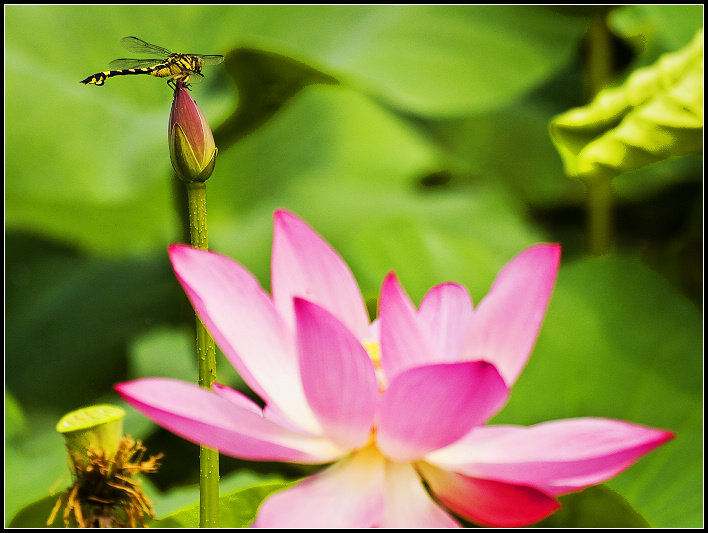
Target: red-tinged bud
192,148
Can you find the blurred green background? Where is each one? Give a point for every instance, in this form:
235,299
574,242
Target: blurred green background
413,138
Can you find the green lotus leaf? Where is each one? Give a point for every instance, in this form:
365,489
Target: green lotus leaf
655,114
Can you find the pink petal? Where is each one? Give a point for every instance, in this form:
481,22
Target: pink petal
403,344
245,324
445,315
236,397
337,375
486,502
429,407
506,322
213,420
557,457
267,412
348,494
408,505
304,265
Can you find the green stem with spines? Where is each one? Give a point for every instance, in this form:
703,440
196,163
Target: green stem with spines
206,357
599,199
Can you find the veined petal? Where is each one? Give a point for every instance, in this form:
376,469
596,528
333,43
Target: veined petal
304,265
507,320
445,315
429,407
337,375
403,344
486,502
408,505
203,417
557,457
241,317
348,494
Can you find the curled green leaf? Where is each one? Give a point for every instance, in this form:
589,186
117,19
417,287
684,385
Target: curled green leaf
655,114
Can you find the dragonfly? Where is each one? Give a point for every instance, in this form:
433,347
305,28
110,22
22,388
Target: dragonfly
177,67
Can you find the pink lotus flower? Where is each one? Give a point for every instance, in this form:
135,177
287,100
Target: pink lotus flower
391,403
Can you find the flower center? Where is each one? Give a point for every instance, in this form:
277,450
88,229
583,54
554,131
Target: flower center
374,351
372,348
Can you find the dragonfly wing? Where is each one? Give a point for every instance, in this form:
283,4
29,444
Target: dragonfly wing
133,63
211,60
138,46
195,77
